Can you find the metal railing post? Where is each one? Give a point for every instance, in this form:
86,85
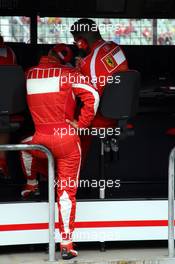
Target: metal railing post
102,190
171,170
51,188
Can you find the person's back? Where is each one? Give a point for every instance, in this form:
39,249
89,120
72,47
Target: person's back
7,55
50,95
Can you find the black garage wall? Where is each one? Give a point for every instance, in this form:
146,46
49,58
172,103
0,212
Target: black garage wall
112,8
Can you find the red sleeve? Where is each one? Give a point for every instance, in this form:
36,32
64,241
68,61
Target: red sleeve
90,99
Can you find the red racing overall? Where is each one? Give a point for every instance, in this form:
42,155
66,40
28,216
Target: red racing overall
51,92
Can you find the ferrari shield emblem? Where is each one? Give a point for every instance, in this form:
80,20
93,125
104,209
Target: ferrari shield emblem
110,61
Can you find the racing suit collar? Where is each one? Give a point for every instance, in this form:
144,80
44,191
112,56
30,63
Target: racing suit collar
45,60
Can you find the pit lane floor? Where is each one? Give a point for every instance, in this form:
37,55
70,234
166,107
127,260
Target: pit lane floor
141,255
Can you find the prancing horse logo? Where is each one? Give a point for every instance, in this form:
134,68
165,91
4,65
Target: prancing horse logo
110,61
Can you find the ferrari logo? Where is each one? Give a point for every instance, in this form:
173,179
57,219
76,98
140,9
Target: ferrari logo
110,61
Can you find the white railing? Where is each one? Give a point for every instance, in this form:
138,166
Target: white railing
51,189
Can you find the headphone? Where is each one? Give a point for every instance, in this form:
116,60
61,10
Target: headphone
82,44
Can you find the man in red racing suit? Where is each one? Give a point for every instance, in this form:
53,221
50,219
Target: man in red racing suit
102,59
51,92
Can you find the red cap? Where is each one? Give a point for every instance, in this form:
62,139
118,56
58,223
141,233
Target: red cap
64,52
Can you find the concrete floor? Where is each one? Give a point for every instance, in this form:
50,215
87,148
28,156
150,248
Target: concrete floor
113,256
